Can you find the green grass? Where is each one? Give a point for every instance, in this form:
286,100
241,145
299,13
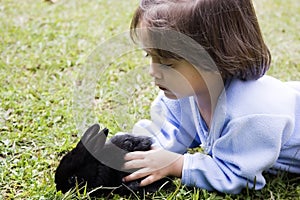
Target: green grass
44,48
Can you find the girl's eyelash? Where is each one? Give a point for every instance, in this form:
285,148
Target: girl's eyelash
167,65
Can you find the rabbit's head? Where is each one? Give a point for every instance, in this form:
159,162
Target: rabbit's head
79,166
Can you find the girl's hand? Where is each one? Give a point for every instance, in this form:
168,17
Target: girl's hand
154,164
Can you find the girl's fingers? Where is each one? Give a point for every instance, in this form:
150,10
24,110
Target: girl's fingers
148,180
136,175
134,155
134,164
155,147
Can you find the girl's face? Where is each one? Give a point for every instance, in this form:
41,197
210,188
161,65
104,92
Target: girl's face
177,78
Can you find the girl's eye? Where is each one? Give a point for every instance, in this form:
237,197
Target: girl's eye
146,55
167,65
166,62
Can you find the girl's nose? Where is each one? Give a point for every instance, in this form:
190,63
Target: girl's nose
155,71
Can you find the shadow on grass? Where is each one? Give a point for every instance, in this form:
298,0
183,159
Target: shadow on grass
279,186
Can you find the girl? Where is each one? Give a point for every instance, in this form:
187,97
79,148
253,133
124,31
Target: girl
208,58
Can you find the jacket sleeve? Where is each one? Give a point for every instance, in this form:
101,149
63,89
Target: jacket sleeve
167,127
248,146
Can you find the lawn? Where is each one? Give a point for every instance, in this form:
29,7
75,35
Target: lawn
54,84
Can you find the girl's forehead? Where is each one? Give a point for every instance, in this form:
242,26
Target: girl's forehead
149,42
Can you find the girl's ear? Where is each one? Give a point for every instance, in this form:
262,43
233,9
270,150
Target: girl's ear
93,140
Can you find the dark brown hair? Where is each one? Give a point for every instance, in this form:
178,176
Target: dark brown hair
227,30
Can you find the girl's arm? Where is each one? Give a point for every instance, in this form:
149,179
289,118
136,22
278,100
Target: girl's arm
248,146
171,125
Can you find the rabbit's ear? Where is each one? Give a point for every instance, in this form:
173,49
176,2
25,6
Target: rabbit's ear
90,133
104,131
94,141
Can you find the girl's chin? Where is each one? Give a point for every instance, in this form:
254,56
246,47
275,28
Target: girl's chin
170,95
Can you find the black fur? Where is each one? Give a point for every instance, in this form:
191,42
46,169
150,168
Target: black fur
81,167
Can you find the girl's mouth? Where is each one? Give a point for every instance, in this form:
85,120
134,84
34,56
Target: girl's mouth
162,88
166,90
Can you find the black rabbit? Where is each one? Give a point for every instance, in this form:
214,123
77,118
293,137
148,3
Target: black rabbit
97,163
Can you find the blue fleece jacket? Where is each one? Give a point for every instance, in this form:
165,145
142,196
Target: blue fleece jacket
255,128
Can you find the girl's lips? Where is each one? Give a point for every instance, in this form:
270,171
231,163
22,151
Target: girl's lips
161,87
167,92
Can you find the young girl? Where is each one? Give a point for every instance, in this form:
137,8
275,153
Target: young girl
208,58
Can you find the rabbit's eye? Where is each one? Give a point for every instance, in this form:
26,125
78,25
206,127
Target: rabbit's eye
72,179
